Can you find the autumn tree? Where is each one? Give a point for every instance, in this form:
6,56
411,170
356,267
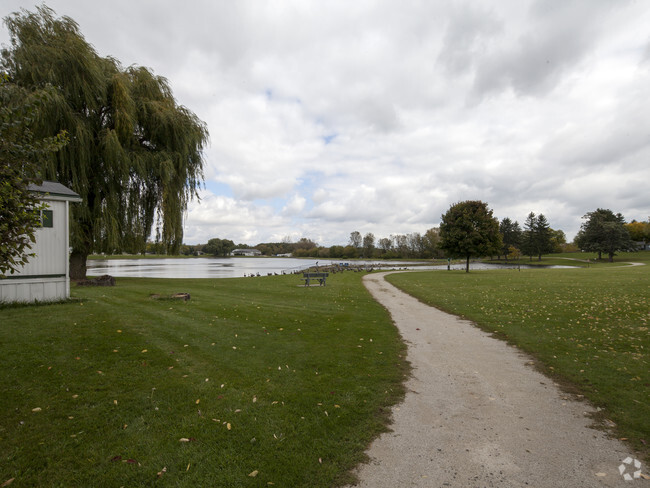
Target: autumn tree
134,156
558,240
510,235
639,231
468,229
603,231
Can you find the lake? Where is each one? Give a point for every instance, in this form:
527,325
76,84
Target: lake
237,267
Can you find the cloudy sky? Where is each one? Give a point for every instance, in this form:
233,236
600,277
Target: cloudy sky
375,116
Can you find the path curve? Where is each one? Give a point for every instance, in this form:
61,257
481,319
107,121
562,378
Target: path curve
478,415
629,263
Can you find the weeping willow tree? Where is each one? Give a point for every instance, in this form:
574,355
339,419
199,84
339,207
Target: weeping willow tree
134,155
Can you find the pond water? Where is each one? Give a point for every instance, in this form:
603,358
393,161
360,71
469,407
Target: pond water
237,267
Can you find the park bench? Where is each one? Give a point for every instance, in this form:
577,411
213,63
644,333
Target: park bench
321,277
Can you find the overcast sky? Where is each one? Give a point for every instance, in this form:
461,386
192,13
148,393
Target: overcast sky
375,116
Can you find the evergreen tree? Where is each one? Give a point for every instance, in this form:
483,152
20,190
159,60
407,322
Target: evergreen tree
537,237
604,232
134,154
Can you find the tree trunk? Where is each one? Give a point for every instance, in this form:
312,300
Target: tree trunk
611,257
78,265
467,265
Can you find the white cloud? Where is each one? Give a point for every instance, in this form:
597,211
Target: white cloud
330,117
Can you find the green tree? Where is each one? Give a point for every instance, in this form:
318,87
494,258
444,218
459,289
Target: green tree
510,235
537,236
604,232
305,244
468,230
219,247
135,156
20,155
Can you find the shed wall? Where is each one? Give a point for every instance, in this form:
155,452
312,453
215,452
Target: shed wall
34,290
50,246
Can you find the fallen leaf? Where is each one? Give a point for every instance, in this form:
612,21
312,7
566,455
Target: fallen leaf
198,401
37,409
254,399
183,439
644,476
116,458
228,426
114,402
144,350
601,475
131,461
253,473
162,471
8,482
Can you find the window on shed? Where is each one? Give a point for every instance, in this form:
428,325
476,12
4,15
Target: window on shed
47,218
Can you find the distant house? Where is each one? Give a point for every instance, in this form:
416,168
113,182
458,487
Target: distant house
46,276
246,252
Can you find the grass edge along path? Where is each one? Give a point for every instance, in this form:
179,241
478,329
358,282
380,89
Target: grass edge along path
586,328
252,382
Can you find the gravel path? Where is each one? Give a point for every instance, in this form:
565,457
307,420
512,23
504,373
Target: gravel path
478,415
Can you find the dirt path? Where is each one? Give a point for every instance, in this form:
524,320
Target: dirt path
478,415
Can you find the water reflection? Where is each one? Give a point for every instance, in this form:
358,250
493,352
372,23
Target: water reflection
208,267
236,267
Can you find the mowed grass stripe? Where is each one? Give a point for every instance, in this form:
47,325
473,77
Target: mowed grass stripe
258,374
587,327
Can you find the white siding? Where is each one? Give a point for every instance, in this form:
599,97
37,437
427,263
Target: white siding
32,290
51,253
45,276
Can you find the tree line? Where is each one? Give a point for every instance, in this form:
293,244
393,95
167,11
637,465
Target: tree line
468,228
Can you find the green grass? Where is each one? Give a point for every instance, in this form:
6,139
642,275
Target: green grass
588,327
259,375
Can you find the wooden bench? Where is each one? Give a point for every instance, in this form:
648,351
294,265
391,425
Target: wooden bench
321,277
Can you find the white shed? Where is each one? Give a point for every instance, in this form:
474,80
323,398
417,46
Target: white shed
46,276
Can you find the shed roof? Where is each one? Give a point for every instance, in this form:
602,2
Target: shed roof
55,188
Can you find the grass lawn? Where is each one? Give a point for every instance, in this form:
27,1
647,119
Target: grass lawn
588,327
253,382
